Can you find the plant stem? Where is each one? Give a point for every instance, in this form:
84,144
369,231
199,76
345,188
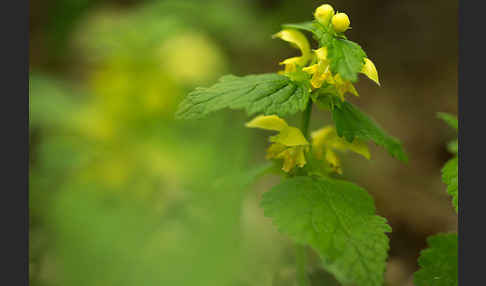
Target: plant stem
306,119
302,278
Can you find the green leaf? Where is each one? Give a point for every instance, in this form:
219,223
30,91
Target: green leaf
453,146
438,263
338,220
264,93
346,58
306,26
449,177
450,119
351,122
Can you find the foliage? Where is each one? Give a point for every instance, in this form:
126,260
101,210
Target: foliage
265,93
450,178
336,218
352,123
439,262
450,119
113,178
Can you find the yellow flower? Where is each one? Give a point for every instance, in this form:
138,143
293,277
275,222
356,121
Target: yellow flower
269,122
324,13
333,161
321,71
290,64
293,156
321,53
370,71
296,39
289,145
340,22
325,141
344,86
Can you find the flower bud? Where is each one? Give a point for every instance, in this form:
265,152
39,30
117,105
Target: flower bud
324,13
340,22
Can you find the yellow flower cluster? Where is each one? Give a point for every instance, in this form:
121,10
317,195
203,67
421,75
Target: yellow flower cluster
290,145
319,66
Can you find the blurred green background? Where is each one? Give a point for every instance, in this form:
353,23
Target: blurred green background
122,194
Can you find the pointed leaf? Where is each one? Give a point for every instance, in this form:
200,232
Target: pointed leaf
346,58
351,122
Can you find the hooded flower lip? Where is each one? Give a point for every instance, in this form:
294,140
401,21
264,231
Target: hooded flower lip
370,71
269,122
289,145
298,40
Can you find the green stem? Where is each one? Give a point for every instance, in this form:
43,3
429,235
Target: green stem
306,119
302,278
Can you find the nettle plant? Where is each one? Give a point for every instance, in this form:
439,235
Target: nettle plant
438,263
335,217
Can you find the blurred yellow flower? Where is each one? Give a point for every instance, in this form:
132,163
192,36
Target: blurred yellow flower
325,141
289,145
191,58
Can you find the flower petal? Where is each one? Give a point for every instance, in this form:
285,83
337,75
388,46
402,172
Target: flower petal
274,150
293,156
370,71
290,137
268,122
297,39
312,69
333,161
321,53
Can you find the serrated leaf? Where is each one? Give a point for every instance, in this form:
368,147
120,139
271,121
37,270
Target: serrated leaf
450,119
265,93
450,178
351,122
338,220
346,58
438,262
